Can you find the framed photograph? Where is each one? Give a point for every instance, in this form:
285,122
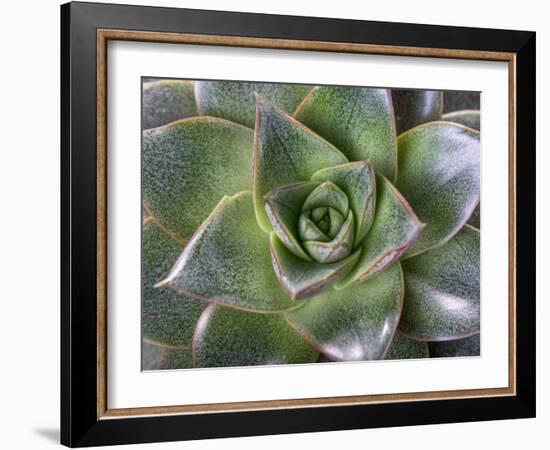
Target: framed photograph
277,224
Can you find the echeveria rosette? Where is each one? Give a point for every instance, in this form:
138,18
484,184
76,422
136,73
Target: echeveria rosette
307,229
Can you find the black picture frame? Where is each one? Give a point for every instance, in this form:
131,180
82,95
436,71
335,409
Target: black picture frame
80,424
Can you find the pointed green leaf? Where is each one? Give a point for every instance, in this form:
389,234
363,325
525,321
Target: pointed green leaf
403,347
439,177
234,100
156,356
285,152
327,195
442,290
228,261
357,323
358,121
469,118
168,317
227,337
301,279
309,231
283,206
165,101
414,107
336,249
394,230
189,166
469,346
358,182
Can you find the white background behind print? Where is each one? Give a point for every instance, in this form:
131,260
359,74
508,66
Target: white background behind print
128,387
29,168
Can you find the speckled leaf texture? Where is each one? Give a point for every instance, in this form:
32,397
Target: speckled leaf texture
469,346
161,357
284,152
394,230
228,261
403,347
358,121
188,166
168,317
415,107
283,206
301,279
357,323
469,118
235,100
439,176
297,224
358,182
227,337
166,101
442,290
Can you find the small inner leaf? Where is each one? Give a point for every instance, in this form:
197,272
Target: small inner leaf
396,227
336,249
282,206
336,221
285,151
327,195
309,231
301,279
358,182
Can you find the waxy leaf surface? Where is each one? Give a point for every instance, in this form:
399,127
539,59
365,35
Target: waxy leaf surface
168,317
283,206
228,261
439,177
358,121
236,100
403,347
301,279
227,337
189,166
285,151
469,346
469,118
415,107
358,182
356,323
165,101
442,290
394,230
161,357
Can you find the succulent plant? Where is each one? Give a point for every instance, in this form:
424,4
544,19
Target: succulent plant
298,224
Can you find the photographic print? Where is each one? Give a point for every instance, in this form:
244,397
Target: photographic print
299,224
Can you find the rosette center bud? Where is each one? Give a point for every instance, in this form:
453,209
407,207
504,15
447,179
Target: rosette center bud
326,224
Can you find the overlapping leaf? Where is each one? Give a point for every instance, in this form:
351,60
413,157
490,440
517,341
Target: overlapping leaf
415,107
357,323
235,100
442,290
228,261
227,337
285,152
301,279
439,165
189,166
394,230
403,347
168,317
358,121
165,101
